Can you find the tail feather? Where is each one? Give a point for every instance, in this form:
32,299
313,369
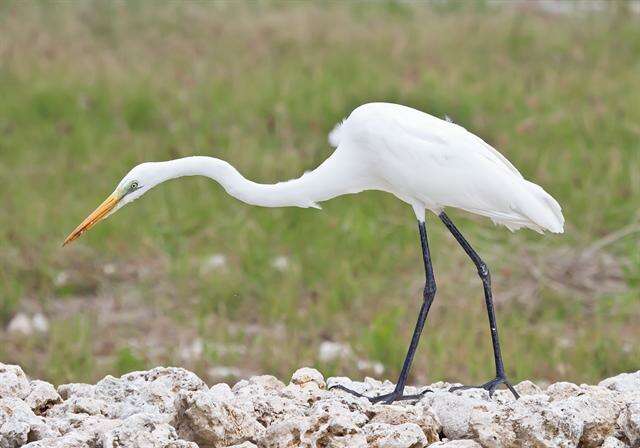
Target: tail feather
548,213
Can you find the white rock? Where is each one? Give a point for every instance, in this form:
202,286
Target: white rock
173,408
612,442
213,263
152,392
406,435
268,382
285,433
70,390
18,424
530,421
307,393
629,422
331,351
20,324
221,392
80,405
61,279
332,422
455,410
307,375
85,427
71,440
280,263
398,415
41,397
373,366
463,443
224,372
625,382
40,323
563,390
269,400
109,269
13,382
598,408
203,419
244,445
144,431
527,388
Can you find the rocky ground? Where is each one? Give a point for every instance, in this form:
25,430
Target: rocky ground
173,408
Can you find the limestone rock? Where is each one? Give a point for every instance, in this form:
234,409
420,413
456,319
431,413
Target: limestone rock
86,427
269,400
629,422
306,375
244,445
531,421
144,431
398,415
333,422
13,382
625,382
384,435
202,418
285,433
173,408
72,440
612,442
562,390
463,443
221,392
19,425
20,325
152,391
41,397
598,408
456,410
527,387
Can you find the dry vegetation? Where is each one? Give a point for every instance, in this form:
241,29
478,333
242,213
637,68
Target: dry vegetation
191,277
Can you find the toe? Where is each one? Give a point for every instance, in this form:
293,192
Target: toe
346,389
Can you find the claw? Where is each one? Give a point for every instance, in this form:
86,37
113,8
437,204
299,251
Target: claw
346,389
490,386
389,398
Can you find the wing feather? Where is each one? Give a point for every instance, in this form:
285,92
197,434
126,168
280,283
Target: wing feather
429,128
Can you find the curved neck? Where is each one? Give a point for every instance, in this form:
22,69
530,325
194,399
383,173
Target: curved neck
334,177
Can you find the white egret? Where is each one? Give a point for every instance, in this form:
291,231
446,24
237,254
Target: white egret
426,162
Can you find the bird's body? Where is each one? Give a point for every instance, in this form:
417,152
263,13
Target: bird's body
429,163
432,164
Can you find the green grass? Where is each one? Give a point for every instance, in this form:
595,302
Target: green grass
88,90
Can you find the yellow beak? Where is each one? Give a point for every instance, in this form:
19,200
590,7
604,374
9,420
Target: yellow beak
98,214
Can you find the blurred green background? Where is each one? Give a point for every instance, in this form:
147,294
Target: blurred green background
191,277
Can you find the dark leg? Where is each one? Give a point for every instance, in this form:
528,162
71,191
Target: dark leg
429,294
483,272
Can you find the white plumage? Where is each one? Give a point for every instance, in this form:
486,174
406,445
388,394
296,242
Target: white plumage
432,164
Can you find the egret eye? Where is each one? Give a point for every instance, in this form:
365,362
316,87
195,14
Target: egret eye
133,186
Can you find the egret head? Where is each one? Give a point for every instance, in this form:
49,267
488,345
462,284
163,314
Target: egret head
136,183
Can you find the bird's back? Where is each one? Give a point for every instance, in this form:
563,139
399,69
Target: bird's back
433,163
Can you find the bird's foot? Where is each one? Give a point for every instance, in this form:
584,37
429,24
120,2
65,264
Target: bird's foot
396,395
490,386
